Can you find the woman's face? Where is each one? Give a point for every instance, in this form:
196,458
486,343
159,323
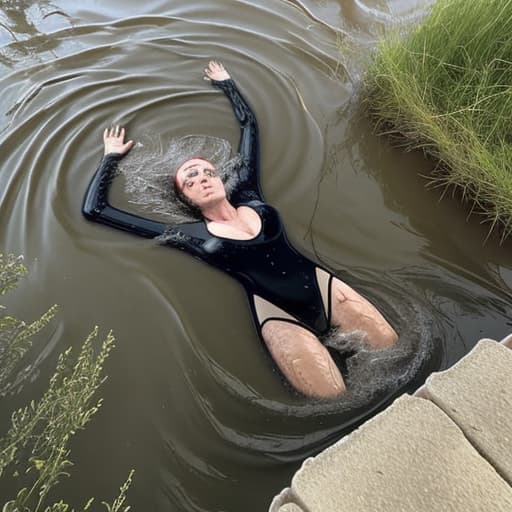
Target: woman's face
198,181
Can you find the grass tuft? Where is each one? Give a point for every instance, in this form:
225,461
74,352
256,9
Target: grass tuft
445,87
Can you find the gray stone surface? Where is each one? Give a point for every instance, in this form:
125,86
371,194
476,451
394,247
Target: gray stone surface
409,458
477,394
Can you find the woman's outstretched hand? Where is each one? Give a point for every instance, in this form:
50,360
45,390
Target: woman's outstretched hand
216,71
113,139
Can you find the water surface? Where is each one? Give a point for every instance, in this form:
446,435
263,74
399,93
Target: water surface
192,400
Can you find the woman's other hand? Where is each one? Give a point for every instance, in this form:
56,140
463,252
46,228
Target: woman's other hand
216,71
113,139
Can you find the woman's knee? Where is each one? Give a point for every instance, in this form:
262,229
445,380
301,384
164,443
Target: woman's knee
303,360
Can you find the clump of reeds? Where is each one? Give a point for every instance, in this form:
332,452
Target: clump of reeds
446,87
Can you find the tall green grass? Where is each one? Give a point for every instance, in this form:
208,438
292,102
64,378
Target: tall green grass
446,87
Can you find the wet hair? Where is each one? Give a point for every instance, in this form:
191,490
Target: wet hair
150,172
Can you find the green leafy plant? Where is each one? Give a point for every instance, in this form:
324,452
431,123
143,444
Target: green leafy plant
36,443
445,87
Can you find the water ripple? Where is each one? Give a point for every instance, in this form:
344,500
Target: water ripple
193,400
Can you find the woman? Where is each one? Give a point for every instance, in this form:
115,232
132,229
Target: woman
293,300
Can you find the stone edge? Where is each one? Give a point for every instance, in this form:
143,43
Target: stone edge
288,496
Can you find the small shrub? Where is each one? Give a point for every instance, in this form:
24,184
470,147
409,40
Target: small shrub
43,429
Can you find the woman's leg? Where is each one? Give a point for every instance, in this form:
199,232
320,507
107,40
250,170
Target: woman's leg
303,360
352,312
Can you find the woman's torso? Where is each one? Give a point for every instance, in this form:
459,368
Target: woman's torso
267,265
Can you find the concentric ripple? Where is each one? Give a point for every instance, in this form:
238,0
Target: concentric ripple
193,401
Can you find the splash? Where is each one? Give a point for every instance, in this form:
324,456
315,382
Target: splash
373,376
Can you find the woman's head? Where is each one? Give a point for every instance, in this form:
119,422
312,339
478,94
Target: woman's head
198,183
151,170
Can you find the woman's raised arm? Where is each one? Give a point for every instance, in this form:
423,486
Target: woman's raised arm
96,207
249,139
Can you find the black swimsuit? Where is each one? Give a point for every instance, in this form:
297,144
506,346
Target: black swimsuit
266,265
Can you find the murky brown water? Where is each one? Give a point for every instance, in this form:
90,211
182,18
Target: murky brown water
192,401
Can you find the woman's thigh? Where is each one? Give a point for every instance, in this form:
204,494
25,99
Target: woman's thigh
303,360
352,312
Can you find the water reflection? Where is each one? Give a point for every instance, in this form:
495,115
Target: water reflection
437,226
24,25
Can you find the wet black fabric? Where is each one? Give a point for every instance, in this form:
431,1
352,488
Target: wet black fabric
266,265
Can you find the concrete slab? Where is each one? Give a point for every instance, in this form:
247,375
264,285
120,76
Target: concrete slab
290,507
507,341
477,395
409,458
285,498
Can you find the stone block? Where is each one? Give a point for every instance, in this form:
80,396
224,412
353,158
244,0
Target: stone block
477,395
507,341
284,499
409,458
290,507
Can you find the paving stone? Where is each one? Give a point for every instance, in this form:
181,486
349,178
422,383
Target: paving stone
409,458
507,341
477,395
290,507
283,499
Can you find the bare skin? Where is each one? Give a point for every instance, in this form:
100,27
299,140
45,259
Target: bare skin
300,355
113,139
305,362
352,312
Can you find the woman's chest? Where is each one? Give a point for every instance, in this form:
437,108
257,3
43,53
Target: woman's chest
246,226
269,227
